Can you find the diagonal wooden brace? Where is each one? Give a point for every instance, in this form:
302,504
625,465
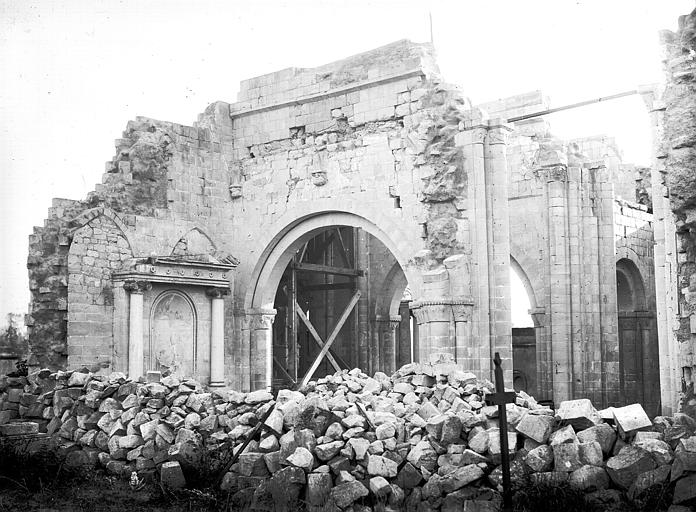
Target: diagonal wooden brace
316,336
331,338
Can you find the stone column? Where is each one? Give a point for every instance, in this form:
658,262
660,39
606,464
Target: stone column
387,342
436,325
135,328
217,336
554,173
465,352
261,353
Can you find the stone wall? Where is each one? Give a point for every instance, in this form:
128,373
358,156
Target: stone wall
677,153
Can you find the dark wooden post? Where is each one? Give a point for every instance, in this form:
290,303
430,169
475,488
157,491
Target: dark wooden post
501,398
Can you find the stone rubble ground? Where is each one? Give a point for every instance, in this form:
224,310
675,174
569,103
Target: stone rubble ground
423,439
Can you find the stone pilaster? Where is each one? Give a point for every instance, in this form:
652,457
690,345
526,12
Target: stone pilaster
261,349
135,327
552,170
544,363
217,335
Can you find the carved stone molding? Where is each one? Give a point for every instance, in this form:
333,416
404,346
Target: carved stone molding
319,178
235,191
137,286
260,319
558,173
442,310
217,293
394,322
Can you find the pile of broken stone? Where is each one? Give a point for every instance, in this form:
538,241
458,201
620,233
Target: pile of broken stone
423,438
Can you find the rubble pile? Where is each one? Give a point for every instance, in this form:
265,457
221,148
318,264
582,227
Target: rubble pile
422,439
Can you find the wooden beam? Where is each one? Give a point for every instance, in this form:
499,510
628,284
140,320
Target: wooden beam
344,251
316,336
332,337
282,370
326,269
327,286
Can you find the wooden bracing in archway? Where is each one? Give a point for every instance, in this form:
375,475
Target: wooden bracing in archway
312,272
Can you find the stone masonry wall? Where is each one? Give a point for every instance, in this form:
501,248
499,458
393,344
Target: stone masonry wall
98,249
679,152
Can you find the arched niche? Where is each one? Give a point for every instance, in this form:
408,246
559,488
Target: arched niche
173,339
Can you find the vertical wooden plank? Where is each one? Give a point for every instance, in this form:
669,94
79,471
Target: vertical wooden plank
292,314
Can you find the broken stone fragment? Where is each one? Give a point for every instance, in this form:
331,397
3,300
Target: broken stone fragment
460,477
589,478
563,435
302,458
318,489
625,467
604,434
343,495
685,489
535,426
591,454
646,480
381,466
566,457
540,459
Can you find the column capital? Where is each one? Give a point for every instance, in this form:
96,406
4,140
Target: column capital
552,173
394,321
260,318
137,286
217,293
440,310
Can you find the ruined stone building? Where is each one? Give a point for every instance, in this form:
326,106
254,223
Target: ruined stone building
367,206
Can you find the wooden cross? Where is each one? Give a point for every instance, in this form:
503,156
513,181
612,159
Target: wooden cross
501,398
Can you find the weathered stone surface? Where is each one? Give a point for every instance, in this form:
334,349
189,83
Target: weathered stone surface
631,418
589,478
459,477
604,434
302,458
536,427
566,457
685,489
381,466
563,435
580,414
172,476
540,459
625,467
591,454
379,486
648,479
19,428
346,493
318,489
659,450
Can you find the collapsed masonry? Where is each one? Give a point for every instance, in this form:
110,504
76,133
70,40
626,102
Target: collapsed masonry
423,439
366,206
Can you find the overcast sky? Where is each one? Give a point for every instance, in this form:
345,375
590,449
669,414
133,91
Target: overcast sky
73,72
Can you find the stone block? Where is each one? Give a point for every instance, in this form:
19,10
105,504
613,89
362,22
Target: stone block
381,466
535,426
566,457
302,458
20,428
318,489
345,494
563,435
589,478
460,477
379,486
624,468
580,414
591,454
540,459
172,476
645,481
630,419
604,434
